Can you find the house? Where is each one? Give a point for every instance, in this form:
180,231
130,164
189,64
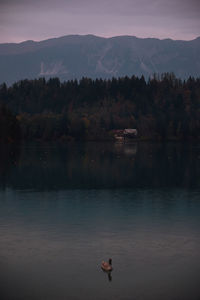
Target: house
130,133
123,134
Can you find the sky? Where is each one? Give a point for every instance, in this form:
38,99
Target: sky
37,20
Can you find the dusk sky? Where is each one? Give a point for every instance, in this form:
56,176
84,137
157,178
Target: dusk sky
41,19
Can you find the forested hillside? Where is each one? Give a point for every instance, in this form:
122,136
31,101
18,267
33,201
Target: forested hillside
75,56
160,108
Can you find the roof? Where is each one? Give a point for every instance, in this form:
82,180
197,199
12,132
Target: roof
130,131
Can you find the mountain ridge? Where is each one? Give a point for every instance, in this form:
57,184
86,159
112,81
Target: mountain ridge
100,37
76,56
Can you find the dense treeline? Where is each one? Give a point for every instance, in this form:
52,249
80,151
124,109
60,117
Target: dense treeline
162,108
9,125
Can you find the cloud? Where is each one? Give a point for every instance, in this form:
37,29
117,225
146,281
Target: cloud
39,19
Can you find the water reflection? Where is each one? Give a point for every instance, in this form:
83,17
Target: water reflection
108,274
99,165
9,157
51,244
63,208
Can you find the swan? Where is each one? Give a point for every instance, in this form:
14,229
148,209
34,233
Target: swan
107,266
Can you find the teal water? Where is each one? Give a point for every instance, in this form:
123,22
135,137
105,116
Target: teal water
65,208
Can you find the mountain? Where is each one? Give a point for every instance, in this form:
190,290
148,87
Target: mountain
75,56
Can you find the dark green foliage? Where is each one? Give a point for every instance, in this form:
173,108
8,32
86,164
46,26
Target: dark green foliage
162,108
9,126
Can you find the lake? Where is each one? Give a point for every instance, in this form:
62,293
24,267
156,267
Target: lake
66,207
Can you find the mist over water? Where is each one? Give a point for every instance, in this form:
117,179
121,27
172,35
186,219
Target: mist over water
65,208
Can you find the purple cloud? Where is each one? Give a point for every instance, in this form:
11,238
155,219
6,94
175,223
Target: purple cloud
40,19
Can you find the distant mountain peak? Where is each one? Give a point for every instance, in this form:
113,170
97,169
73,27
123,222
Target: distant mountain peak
75,56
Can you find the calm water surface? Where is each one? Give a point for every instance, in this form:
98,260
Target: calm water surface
65,208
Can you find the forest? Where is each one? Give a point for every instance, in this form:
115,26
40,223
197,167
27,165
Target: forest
161,108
